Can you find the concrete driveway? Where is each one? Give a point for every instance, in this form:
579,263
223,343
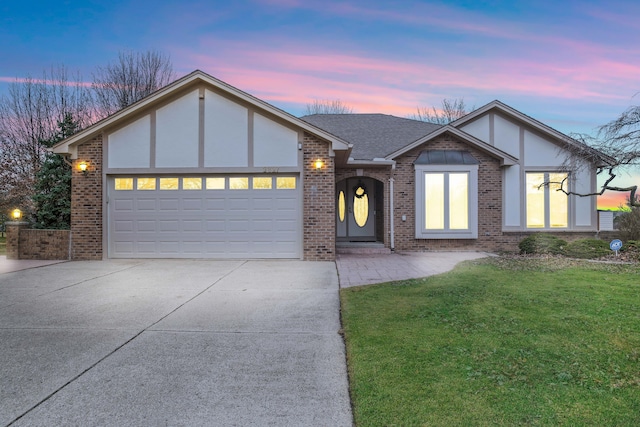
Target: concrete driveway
172,343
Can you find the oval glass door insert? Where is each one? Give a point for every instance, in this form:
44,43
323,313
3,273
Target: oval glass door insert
360,206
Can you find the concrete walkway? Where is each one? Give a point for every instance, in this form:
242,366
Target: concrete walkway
358,270
172,342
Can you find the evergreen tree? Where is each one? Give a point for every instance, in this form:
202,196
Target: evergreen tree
52,196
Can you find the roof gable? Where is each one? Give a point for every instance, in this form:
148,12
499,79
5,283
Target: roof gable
505,158
553,135
69,145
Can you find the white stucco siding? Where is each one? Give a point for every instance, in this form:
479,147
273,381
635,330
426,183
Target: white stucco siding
274,145
177,132
226,132
506,136
479,128
129,146
539,152
512,194
584,205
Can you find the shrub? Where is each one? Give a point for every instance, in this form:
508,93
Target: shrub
587,249
542,244
628,223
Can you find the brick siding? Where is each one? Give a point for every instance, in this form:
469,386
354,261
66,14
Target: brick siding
318,223
86,203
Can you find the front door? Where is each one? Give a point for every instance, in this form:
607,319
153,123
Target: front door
355,209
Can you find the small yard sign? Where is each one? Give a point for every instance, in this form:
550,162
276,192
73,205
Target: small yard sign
615,245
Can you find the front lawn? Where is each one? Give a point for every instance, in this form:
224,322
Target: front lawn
498,342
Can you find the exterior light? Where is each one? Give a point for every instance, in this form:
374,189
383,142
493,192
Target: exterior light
16,214
84,167
318,164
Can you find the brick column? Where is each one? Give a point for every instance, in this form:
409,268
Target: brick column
13,238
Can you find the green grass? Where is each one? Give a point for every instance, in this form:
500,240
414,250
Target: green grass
3,245
498,342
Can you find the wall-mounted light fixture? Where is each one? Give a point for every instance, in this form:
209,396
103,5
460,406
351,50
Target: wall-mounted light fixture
84,167
16,214
318,164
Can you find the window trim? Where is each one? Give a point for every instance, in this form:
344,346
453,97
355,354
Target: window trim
421,231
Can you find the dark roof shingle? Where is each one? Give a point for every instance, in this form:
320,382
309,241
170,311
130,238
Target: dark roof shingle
372,135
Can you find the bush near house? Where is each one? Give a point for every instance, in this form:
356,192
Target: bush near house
628,223
541,243
587,249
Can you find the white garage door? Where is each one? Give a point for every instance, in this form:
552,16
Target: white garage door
204,217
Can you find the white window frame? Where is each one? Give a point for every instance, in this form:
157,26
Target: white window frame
547,202
421,231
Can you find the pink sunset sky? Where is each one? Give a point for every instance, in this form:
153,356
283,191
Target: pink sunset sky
573,65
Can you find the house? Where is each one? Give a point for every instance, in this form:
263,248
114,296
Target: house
200,169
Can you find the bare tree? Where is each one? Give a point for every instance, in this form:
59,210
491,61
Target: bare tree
29,115
615,147
326,106
130,78
452,109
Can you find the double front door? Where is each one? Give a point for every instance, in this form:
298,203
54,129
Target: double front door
355,209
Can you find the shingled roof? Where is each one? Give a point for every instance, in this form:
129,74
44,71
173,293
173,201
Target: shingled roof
372,135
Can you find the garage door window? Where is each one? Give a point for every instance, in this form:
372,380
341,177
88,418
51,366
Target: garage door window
210,183
124,184
286,183
262,183
239,183
168,183
192,183
146,184
215,183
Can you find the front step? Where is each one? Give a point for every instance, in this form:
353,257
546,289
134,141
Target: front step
362,248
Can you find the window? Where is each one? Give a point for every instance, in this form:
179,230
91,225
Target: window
262,183
192,183
546,206
241,183
446,201
286,183
168,183
215,183
123,184
146,184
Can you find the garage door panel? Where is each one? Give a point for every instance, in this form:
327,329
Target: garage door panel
168,205
123,205
124,226
146,204
191,204
146,247
168,226
225,223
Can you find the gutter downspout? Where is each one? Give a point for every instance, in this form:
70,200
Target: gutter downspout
391,210
392,229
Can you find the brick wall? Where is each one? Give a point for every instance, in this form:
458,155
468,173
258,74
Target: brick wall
86,203
44,244
318,223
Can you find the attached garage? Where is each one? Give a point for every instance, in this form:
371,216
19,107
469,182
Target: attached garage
213,216
200,169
